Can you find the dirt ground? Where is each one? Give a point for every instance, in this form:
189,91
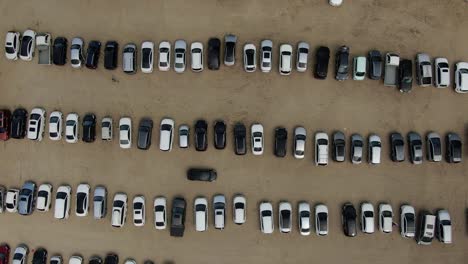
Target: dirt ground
407,27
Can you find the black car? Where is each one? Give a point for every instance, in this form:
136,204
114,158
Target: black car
18,123
240,140
111,258
60,51
145,130
111,51
339,146
201,128
178,217
405,76
220,135
434,147
92,54
214,46
342,63
40,256
281,138
398,147
322,57
375,64
348,218
95,260
89,128
453,144
202,175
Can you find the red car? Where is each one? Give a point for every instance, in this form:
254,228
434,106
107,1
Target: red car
5,124
4,254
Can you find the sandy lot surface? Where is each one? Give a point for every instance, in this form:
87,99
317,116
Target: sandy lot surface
407,27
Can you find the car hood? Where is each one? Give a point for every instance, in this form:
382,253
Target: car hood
239,214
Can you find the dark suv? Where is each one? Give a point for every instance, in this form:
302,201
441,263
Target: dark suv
60,51
40,256
214,46
111,258
89,128
405,79
220,135
375,64
342,63
348,218
145,131
178,217
18,123
200,135
322,57
240,140
281,137
453,148
92,55
110,55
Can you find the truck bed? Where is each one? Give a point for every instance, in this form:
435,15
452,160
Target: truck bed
177,231
44,54
390,78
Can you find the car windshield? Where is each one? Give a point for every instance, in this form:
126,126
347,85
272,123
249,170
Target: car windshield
105,124
70,123
61,195
200,208
358,143
18,256
303,50
159,208
54,119
124,127
239,205
35,116
42,193
9,50
118,203
257,134
322,141
443,65
368,214
386,214
166,127
138,205
183,132
446,222
266,213
286,53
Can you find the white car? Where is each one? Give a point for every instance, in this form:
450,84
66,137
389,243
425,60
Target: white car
44,197
55,125
300,135
367,218
160,217
119,210
200,207
11,200
250,57
303,218
385,218
219,211
360,66
72,128
166,134
164,56
375,149
82,200
444,227
407,221
28,42
442,73
147,57
75,259
266,55
239,208
130,261
62,202
321,149
302,56
107,128
139,210
125,132
285,59
20,256
184,132
36,124
335,2
76,52
196,52
12,43
266,218
99,202
180,47
257,139
461,77
321,220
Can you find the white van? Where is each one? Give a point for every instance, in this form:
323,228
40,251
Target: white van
219,207
200,208
426,229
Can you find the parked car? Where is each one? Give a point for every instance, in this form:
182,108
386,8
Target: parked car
285,217
407,221
375,64
107,128
44,197
195,174
111,258
75,259
125,132
461,77
201,128
444,227
76,52
398,147
11,200
184,135
57,259
44,47
375,149
18,123
100,202
2,199
220,134
139,214
342,63
55,125
321,149
303,217
335,3
89,128
36,124
20,256
426,230
27,198
250,57
281,139
434,147
385,218
145,131
59,56
200,208
453,148
322,57
111,51
180,48
164,56
367,218
266,55
4,253
240,139
196,54
82,200
5,117
348,218
95,260
423,69
230,42
40,256
72,128
405,76
129,58
62,202
239,208
321,220
147,56
300,136
166,134
219,211
441,73
266,218
302,56
214,50
119,210
339,146
178,217
415,148
357,148
92,54
257,139
12,45
360,66
285,59
28,42
160,216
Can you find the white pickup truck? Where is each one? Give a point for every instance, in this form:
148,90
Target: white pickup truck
43,41
392,60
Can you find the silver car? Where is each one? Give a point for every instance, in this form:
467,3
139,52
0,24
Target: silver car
76,52
100,202
180,49
434,147
184,132
266,58
415,148
300,135
375,149
357,148
26,198
230,50
302,56
129,58
423,69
